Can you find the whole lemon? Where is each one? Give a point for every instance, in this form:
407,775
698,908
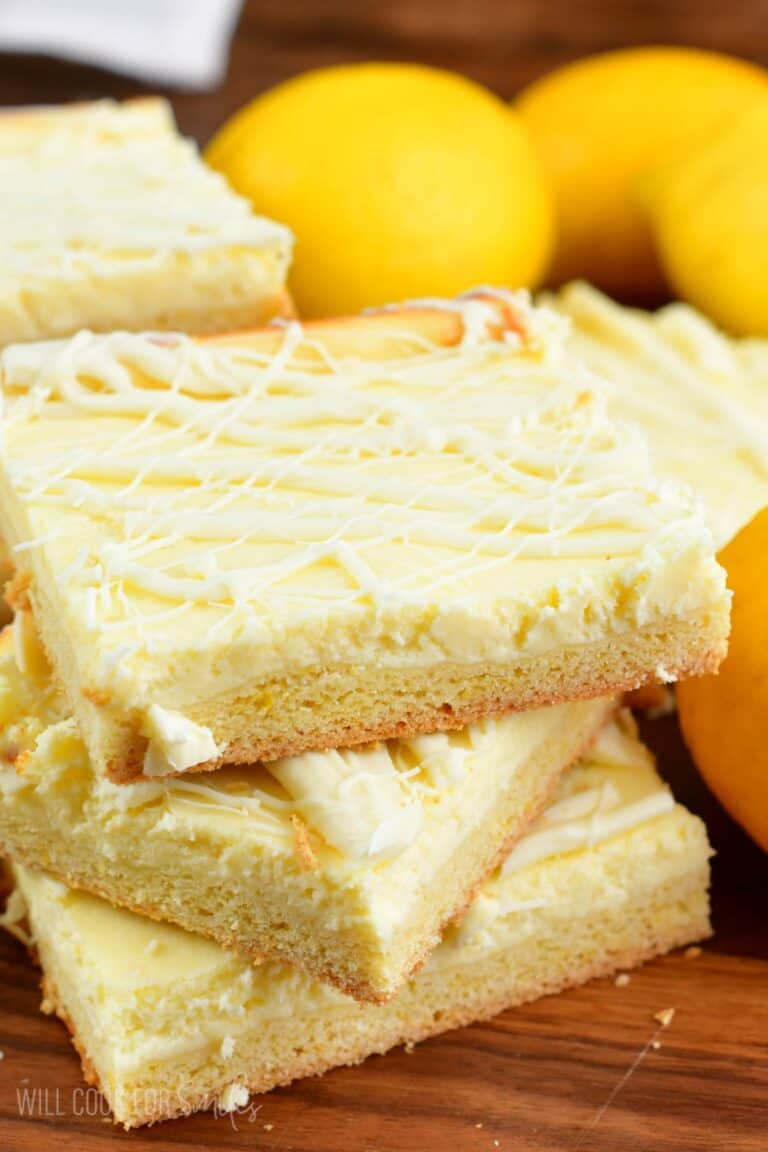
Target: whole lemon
602,122
723,717
709,214
398,181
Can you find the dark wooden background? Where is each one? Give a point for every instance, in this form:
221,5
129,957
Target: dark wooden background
574,1073
502,43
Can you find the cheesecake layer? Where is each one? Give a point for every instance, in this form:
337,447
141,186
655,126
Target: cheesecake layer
110,220
700,397
313,537
347,864
168,1023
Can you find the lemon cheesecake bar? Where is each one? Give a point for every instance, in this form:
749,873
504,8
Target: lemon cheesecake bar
111,220
613,873
700,397
347,864
314,537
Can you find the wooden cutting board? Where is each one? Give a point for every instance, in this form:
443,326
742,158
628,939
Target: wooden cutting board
585,1071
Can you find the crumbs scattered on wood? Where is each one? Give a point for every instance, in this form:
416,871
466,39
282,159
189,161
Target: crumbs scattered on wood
665,1017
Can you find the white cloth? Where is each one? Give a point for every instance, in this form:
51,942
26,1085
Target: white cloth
183,43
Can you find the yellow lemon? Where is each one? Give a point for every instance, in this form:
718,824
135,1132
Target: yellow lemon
602,122
709,214
397,180
723,717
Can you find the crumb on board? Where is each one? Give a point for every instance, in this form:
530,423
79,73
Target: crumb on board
268,1127
479,1125
692,952
409,1047
621,980
656,1044
665,1016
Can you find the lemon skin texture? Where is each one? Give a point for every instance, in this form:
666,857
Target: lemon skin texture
399,181
724,718
709,216
604,121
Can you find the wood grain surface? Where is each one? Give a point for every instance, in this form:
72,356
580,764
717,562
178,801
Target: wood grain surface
573,1073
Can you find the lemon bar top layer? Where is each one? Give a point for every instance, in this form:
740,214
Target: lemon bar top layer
701,398
111,219
613,867
429,486
347,863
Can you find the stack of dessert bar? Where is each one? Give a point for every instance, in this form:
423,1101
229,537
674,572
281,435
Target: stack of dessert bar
311,740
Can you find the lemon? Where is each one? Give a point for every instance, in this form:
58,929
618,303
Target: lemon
602,122
397,180
723,717
709,214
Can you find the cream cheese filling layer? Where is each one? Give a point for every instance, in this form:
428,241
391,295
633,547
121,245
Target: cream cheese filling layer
137,961
216,513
